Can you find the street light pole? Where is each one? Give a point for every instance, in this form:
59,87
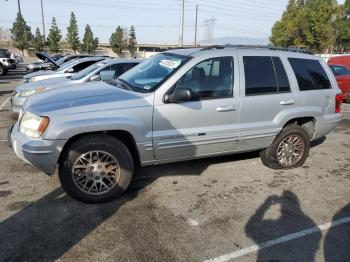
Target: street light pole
195,27
43,21
182,18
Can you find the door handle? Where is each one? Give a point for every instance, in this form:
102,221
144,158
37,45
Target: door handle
226,108
287,102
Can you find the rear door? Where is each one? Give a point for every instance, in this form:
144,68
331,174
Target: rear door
266,91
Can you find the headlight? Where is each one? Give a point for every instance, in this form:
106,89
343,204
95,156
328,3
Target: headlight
32,125
30,92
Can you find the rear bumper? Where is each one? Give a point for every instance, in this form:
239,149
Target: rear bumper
326,124
42,154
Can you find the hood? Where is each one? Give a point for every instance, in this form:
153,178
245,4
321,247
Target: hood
47,83
85,97
45,57
39,73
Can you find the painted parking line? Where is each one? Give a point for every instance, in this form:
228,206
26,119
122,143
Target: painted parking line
279,240
3,104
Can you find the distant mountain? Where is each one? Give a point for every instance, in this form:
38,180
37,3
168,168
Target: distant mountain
236,40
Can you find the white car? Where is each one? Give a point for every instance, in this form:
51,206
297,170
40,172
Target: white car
105,70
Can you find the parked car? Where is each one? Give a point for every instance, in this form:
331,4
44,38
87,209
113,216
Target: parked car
179,105
66,70
46,61
105,70
342,74
340,60
6,63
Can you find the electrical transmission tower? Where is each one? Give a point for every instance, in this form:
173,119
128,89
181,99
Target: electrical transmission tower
209,24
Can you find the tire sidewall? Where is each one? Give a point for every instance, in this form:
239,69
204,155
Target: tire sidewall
288,131
117,149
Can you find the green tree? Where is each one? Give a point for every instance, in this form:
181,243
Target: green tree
306,23
38,41
341,25
21,33
116,41
132,41
89,42
72,33
54,37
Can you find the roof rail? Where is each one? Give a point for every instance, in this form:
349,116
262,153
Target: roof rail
269,47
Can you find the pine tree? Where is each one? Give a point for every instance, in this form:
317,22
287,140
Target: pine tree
54,37
21,33
72,33
38,41
116,41
132,41
89,42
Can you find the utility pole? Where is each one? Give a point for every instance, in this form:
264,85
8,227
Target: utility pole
43,21
195,26
182,18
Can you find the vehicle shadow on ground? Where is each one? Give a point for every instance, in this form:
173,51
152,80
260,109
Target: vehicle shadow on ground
292,219
49,227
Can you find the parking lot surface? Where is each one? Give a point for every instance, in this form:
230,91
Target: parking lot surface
216,209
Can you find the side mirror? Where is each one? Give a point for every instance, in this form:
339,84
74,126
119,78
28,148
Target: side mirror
179,95
70,70
95,78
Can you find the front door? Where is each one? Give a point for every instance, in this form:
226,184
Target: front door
206,125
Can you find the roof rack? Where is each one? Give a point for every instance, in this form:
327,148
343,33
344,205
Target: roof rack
269,47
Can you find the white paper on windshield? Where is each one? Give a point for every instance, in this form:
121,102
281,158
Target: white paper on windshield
171,64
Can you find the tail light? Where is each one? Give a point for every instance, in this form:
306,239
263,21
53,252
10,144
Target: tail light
338,102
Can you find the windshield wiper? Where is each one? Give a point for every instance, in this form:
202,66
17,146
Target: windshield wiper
125,84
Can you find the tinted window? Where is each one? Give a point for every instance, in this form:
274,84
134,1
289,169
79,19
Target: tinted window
212,78
282,79
264,75
260,77
83,65
310,74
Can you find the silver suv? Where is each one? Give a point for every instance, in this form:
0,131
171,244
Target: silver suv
179,105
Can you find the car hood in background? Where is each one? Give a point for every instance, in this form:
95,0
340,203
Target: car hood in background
39,73
44,56
85,97
46,83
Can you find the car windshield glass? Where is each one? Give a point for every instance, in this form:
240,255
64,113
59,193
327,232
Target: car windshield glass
340,70
65,66
148,75
87,71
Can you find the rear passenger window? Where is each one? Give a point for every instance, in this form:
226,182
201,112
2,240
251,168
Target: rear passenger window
310,74
264,75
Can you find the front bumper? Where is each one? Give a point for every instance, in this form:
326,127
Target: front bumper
17,103
40,153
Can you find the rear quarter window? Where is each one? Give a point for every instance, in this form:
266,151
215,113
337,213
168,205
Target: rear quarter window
310,74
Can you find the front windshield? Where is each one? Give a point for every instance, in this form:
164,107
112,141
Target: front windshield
340,70
61,61
146,76
87,71
66,65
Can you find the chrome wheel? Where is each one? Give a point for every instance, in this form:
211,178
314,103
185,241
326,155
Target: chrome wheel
290,150
96,172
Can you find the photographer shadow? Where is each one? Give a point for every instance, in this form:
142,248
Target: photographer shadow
291,220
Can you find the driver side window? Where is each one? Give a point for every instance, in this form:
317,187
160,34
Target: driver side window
210,79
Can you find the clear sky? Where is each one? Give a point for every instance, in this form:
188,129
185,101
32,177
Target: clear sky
156,21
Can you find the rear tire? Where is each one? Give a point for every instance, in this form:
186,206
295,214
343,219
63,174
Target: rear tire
96,168
289,149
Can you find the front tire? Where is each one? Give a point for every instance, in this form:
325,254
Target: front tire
289,149
2,70
96,168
